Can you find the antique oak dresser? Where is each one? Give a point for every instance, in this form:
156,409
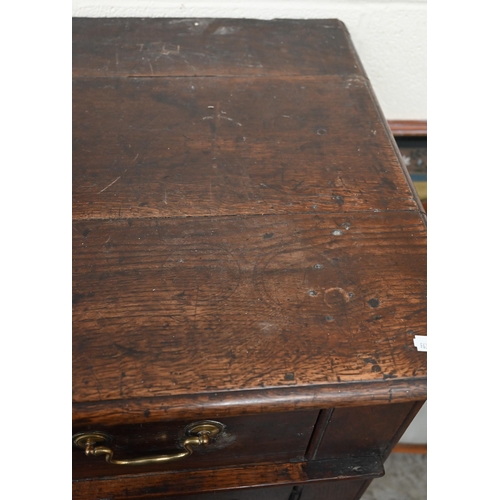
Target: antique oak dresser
249,264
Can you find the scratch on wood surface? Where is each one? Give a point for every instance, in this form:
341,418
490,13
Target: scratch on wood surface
166,52
151,68
229,119
165,198
109,185
223,118
98,384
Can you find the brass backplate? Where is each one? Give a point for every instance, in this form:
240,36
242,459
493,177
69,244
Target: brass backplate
207,426
84,438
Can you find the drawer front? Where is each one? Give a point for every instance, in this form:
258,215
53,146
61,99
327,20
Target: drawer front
237,482
364,430
293,451
276,437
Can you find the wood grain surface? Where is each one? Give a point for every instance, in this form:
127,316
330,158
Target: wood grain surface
168,147
280,437
364,429
211,47
248,402
246,243
166,484
160,305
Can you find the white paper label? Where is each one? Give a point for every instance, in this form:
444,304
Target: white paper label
420,342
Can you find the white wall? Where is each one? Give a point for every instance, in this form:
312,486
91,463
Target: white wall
417,431
389,35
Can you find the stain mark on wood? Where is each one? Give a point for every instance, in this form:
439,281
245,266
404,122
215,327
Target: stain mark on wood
77,297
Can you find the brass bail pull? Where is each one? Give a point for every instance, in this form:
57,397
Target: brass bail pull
198,434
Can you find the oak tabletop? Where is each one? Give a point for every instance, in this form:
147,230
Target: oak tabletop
245,235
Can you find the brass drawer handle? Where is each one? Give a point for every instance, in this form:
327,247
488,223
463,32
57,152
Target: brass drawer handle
198,434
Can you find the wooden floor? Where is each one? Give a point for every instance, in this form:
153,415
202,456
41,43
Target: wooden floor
405,479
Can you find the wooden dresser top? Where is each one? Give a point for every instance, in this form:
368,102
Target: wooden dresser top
245,235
